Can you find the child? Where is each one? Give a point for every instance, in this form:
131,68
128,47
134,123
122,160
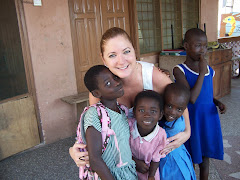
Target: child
147,137
178,163
116,160
206,136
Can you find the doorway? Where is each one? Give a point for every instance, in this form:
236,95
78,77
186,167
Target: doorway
18,122
89,20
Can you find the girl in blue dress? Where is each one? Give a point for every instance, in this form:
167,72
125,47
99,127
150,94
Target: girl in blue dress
178,163
206,136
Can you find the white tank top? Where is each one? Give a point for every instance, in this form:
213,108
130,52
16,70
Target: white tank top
147,73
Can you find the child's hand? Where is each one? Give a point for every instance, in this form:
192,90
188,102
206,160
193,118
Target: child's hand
141,166
202,65
165,71
222,108
151,178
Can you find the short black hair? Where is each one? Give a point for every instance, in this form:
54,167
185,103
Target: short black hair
177,89
193,32
90,78
149,94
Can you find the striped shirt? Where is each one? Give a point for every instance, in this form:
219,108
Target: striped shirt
110,156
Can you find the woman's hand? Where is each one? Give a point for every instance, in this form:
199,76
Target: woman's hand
80,158
165,71
174,142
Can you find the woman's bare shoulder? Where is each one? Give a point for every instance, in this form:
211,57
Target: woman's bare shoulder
160,80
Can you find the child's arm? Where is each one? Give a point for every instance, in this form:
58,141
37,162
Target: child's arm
161,139
222,108
141,166
152,170
94,144
195,91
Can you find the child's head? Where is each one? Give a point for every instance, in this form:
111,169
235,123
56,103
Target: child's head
102,83
176,98
195,43
148,109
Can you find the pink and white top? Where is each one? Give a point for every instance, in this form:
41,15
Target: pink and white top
147,148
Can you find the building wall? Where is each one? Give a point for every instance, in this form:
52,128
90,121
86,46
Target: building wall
53,66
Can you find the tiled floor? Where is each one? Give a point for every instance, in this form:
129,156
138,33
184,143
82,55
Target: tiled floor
52,162
229,169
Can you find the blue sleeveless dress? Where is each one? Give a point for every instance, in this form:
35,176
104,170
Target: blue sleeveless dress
206,135
178,163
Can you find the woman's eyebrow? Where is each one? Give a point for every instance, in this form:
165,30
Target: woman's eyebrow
126,48
111,53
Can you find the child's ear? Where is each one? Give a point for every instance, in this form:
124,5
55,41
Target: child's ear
161,115
96,93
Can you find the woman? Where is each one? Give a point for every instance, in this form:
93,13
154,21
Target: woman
119,56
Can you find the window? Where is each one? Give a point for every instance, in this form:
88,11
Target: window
149,26
171,24
190,13
12,72
162,23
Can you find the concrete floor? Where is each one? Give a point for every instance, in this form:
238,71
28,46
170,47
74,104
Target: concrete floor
52,162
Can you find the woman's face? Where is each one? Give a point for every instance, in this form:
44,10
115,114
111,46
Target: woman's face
119,56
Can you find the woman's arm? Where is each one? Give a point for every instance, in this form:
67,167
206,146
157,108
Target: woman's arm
160,80
180,138
94,142
74,150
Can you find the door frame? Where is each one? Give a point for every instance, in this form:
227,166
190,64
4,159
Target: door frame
133,20
27,60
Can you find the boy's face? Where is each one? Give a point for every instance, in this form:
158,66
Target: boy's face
147,113
174,106
196,46
109,86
